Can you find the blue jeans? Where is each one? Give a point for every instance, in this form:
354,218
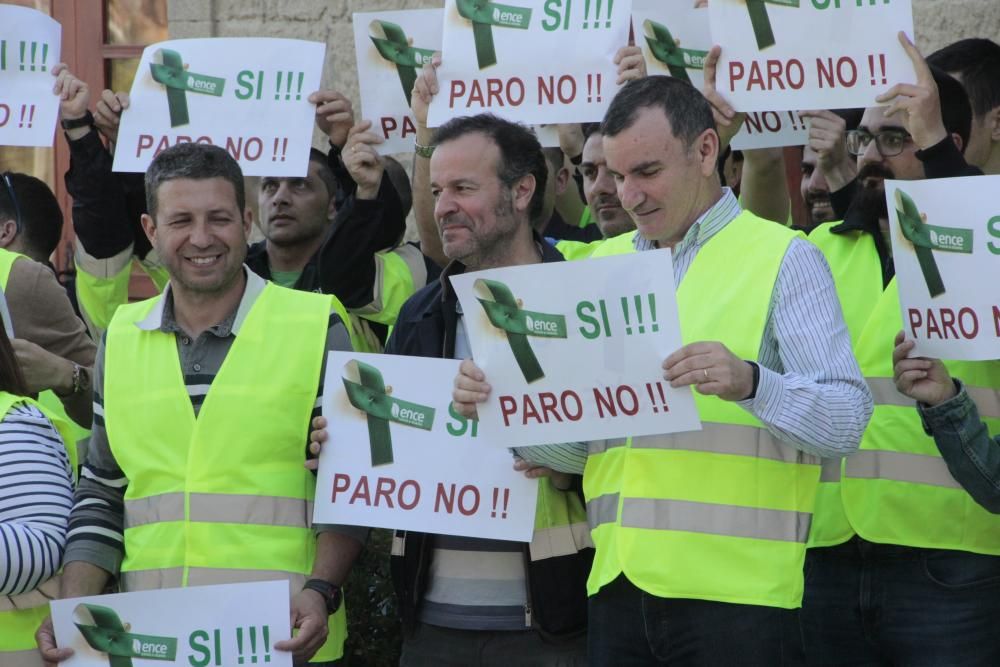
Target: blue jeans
881,604
628,627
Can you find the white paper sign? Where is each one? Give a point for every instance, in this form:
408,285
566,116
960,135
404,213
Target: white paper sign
29,49
404,460
946,250
391,49
780,55
247,95
200,626
675,42
541,61
572,350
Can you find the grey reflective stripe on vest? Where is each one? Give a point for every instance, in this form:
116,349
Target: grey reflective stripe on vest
39,597
559,541
602,509
601,446
28,658
145,580
829,470
219,508
884,392
734,439
900,467
716,519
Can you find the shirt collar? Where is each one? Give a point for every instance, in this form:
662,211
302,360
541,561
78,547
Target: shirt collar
161,315
708,224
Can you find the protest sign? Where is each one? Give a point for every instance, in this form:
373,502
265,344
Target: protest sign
200,626
573,350
246,95
392,48
400,457
525,62
675,41
946,250
781,55
29,49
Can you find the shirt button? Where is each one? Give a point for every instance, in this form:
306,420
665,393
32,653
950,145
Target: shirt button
185,340
197,367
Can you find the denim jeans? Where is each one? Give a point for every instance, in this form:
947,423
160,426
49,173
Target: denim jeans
881,604
629,627
434,646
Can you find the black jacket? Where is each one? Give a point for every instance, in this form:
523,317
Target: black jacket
557,593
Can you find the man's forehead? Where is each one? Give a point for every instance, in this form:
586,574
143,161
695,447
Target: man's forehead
874,120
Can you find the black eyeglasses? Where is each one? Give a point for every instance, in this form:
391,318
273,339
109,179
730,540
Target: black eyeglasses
13,199
888,142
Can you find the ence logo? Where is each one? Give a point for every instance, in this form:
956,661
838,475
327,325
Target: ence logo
392,44
484,15
104,631
953,242
366,391
664,48
167,68
927,238
505,313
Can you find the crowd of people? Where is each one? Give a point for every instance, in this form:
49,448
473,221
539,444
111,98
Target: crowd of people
838,507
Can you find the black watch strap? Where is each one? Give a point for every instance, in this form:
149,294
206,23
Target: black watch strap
86,120
331,593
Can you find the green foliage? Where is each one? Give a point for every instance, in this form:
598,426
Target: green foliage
373,630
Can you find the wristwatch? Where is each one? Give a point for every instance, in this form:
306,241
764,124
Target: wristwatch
423,151
86,120
331,593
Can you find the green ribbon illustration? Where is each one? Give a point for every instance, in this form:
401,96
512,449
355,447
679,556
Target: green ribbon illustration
927,238
761,23
105,632
366,391
664,48
504,313
484,15
391,43
168,68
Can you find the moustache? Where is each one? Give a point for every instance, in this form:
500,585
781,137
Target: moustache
874,171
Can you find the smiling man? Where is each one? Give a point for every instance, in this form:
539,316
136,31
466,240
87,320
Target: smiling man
208,388
696,532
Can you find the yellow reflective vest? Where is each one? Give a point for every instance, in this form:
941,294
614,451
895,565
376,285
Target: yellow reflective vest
20,615
723,513
857,274
897,489
222,497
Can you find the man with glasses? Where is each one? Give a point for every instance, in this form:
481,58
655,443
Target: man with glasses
902,566
51,343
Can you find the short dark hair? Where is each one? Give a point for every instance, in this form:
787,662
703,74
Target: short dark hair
589,129
977,61
685,107
325,171
520,152
194,161
400,182
956,112
41,219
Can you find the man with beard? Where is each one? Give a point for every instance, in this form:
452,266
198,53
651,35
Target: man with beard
814,189
902,566
601,195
